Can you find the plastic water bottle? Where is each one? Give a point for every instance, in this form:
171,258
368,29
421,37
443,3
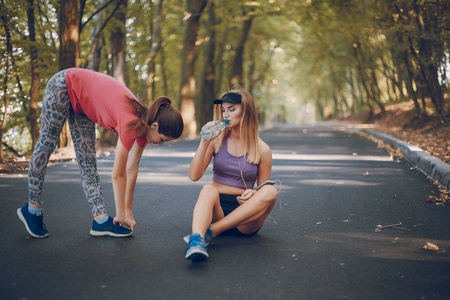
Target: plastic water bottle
211,131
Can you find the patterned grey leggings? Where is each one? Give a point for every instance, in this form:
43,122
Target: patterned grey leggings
56,109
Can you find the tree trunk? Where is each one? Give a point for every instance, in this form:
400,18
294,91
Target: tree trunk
337,107
188,57
376,90
208,89
237,77
96,35
68,33
389,89
320,108
418,77
409,77
363,77
163,71
352,90
96,44
370,67
251,73
389,77
421,87
5,82
118,51
426,61
154,49
398,79
69,27
117,41
221,51
34,90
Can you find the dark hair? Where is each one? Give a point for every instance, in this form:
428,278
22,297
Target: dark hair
170,122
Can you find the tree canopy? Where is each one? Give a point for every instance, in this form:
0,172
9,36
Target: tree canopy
302,60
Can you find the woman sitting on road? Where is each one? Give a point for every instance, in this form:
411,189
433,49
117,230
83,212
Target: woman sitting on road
84,98
230,205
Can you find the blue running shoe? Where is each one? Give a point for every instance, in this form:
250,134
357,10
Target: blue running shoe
196,248
108,228
33,223
208,237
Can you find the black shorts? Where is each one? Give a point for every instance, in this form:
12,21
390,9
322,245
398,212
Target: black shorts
230,203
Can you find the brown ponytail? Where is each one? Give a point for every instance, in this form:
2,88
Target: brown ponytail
170,122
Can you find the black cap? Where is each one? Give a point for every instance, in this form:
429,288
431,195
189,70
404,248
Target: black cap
230,98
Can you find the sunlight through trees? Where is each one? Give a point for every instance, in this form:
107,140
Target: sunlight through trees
303,60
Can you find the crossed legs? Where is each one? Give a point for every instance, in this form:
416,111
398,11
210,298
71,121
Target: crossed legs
247,218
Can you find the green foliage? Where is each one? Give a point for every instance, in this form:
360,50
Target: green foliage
301,58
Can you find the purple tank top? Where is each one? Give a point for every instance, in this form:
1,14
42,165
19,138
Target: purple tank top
226,169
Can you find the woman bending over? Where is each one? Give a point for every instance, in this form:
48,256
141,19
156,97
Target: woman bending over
84,98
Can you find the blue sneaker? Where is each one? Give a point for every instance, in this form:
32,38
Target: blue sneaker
196,248
108,228
33,223
208,237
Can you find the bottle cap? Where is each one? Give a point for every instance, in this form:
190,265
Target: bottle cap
225,121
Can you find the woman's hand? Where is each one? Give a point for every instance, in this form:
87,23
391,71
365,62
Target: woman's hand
127,220
245,196
210,124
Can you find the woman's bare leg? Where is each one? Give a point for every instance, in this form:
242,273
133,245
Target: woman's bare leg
207,210
249,216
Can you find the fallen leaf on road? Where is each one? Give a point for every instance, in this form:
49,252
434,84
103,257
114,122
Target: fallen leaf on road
431,247
431,199
438,200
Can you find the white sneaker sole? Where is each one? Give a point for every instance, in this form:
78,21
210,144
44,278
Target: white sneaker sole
108,233
196,254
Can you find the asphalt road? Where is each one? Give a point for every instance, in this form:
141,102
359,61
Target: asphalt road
336,189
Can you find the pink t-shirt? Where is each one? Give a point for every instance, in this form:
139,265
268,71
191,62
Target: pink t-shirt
102,99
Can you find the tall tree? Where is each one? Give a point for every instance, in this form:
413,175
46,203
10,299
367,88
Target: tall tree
93,62
34,90
362,75
7,65
117,41
93,57
221,45
154,49
237,74
427,63
188,57
395,23
207,82
69,28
